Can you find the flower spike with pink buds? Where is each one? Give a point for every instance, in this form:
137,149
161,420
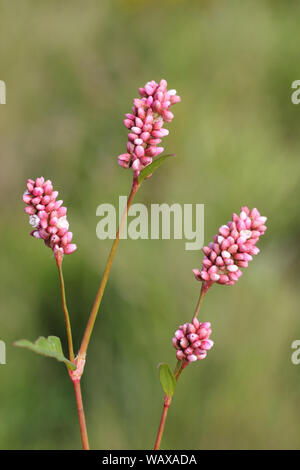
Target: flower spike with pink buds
145,125
232,248
48,216
192,341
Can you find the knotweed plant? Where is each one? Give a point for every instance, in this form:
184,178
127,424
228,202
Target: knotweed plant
229,252
48,218
224,258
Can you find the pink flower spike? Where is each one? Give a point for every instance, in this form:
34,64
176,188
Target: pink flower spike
50,221
232,248
145,125
191,341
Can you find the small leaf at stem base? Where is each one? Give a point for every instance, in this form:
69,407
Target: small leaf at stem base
50,347
148,170
167,379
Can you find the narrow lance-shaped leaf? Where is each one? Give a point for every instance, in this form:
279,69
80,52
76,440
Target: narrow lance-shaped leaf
148,170
167,379
50,347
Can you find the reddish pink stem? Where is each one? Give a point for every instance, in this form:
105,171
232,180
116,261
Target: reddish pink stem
81,416
167,402
177,372
204,288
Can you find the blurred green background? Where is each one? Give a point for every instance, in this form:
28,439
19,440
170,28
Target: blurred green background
72,69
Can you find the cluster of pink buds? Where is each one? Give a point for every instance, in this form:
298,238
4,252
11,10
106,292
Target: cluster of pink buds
192,341
48,216
145,125
232,248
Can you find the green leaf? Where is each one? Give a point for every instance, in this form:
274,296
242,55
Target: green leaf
167,379
153,166
50,347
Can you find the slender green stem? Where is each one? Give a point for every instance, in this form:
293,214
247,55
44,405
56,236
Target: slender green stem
97,302
177,372
76,382
80,359
81,416
65,309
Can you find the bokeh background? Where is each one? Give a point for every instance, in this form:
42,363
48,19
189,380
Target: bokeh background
72,69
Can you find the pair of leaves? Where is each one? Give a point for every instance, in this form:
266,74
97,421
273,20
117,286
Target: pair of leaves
50,347
167,379
148,170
